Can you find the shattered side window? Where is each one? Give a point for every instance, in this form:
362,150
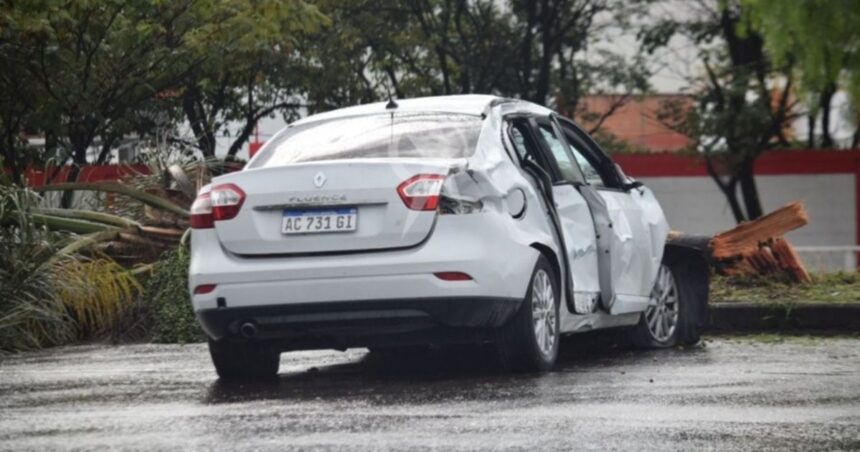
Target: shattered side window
562,158
591,174
519,142
398,135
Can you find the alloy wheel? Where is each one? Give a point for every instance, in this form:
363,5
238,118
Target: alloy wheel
662,312
543,312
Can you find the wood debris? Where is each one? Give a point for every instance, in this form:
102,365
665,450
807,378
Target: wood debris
758,246
747,236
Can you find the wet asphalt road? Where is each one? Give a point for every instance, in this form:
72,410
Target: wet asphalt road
731,394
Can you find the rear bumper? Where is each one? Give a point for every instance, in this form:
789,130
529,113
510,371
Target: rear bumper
479,245
361,323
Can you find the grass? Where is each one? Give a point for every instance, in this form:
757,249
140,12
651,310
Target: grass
833,288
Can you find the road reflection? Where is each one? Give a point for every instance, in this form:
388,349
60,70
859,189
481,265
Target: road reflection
429,375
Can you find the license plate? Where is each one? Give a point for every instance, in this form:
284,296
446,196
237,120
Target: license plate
309,221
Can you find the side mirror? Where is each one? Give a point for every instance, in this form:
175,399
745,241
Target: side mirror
628,183
633,184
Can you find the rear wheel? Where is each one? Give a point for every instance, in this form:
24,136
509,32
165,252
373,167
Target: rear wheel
530,340
243,360
668,312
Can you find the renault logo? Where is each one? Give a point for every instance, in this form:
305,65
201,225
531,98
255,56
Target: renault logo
319,180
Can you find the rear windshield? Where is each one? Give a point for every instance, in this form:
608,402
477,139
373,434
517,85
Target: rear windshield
407,135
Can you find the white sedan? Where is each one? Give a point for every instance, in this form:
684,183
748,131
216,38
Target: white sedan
433,221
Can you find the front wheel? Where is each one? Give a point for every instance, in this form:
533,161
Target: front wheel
529,341
669,318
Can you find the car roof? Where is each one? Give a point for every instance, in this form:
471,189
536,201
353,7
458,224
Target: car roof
469,104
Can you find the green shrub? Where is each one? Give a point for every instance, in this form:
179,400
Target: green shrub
171,316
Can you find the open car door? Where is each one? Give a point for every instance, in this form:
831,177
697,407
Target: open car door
637,227
539,146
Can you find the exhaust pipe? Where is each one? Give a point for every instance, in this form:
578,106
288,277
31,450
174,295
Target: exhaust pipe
248,330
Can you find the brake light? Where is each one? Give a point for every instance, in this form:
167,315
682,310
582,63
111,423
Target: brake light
201,212
421,192
222,202
227,199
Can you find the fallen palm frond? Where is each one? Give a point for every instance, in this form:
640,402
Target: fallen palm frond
69,224
31,315
98,292
89,215
116,187
52,293
63,271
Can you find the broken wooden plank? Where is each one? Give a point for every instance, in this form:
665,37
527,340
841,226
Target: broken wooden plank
747,236
790,261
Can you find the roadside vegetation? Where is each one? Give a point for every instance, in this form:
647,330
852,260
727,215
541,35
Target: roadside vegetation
833,288
52,292
169,304
115,271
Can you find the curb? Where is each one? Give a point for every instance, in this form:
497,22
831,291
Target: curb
736,317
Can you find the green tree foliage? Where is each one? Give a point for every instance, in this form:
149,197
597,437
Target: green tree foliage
86,65
821,39
88,73
546,51
91,71
742,101
245,51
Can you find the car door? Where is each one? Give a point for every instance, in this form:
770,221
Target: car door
539,138
638,225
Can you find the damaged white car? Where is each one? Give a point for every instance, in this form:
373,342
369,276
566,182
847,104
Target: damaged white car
432,221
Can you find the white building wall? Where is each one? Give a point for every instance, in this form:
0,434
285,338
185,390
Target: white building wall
696,205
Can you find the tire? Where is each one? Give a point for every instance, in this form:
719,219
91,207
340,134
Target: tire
684,327
517,342
243,360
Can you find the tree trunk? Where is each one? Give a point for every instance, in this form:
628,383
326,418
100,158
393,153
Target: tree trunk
104,154
826,99
810,136
69,195
734,203
750,190
10,158
9,143
204,137
526,51
80,138
729,190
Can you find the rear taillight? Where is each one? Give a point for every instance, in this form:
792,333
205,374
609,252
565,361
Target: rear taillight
421,192
222,202
227,199
201,212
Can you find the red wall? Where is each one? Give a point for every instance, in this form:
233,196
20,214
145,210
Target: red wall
773,162
36,177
